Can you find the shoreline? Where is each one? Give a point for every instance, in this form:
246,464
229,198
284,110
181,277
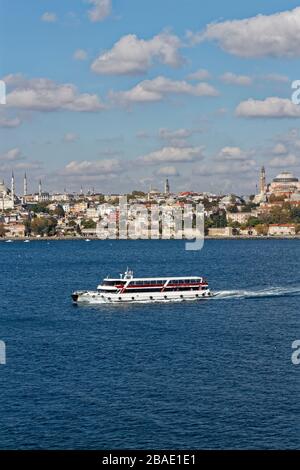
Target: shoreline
31,239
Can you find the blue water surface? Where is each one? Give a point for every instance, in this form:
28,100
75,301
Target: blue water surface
213,374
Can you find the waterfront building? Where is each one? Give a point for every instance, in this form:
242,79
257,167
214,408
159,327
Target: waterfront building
79,207
14,230
62,197
240,217
220,232
42,197
282,230
153,193
230,200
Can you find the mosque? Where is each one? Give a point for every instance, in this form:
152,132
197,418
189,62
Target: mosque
7,196
283,185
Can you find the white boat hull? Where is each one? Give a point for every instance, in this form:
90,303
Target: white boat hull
94,297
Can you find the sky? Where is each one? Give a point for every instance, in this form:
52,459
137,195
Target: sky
118,95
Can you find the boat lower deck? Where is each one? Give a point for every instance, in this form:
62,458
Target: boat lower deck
91,297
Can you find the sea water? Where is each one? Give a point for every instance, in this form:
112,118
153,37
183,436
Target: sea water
212,374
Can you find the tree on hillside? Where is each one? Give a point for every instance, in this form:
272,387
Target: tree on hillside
59,211
2,231
88,223
44,227
262,229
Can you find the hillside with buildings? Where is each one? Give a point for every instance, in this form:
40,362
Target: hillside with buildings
274,211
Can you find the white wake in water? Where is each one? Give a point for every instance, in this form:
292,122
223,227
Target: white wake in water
259,293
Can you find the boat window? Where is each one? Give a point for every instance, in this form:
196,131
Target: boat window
111,283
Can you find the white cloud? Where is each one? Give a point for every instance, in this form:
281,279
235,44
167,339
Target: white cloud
28,166
107,167
232,154
276,77
70,137
272,107
167,171
49,17
233,79
227,168
177,137
275,35
284,162
158,88
131,55
11,155
286,144
173,155
176,134
200,74
10,123
42,94
279,149
80,54
14,80
101,9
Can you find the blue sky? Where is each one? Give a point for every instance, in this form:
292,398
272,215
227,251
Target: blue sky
101,93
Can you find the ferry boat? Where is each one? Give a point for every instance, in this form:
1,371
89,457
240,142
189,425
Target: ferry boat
130,289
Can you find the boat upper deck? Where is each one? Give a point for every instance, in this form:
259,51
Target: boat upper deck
128,281
149,279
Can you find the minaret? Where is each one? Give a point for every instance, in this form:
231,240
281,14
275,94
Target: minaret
167,187
40,189
262,184
25,186
13,188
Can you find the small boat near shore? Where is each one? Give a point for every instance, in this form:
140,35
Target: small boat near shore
130,289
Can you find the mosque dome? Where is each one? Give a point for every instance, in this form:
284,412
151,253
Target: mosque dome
285,177
3,188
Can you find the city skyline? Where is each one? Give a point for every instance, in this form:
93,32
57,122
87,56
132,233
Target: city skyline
120,104
37,187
